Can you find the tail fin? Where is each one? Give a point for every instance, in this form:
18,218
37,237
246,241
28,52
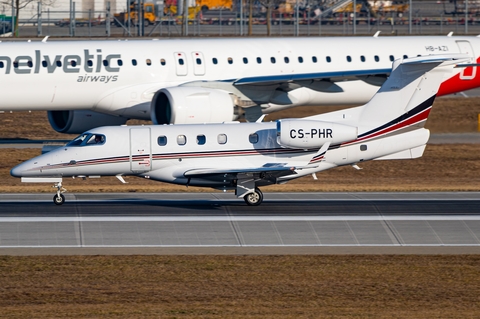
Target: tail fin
405,99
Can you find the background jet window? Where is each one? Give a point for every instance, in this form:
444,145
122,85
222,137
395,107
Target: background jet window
300,59
163,62
181,62
105,62
392,58
214,60
349,58
405,56
89,63
245,60
259,60
59,63
314,59
149,62
134,62
30,64
162,140
201,139
73,63
15,64
253,138
377,58
198,61
272,59
222,138
44,64
181,140
286,59
1,65
230,60
119,62
329,59
362,58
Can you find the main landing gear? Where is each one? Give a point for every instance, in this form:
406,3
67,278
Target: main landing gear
58,198
255,198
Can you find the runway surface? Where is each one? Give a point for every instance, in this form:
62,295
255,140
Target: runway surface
219,223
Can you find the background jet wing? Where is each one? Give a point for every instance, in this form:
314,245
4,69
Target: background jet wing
317,76
273,169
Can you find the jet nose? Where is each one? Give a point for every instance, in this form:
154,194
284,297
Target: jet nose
17,171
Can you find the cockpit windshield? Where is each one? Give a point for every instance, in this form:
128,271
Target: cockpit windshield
88,139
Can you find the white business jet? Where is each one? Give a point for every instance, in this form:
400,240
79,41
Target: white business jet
86,84
244,156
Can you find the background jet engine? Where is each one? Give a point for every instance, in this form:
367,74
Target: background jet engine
76,122
184,105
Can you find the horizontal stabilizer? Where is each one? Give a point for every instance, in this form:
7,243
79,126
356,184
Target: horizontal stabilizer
415,152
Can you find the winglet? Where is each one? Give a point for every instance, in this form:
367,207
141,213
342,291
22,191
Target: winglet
450,34
376,34
45,39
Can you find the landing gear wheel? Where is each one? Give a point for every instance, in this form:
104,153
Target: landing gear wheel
58,199
254,199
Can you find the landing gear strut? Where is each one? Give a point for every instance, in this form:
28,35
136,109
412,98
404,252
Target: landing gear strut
58,198
255,198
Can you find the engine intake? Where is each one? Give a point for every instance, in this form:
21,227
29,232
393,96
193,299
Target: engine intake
184,105
307,134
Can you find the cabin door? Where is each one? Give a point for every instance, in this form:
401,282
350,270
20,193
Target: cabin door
140,149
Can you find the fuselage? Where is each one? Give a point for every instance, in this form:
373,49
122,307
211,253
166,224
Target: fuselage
121,77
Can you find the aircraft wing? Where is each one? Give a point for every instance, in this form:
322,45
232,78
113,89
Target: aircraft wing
317,76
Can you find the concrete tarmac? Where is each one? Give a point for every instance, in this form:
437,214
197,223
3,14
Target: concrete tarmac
217,223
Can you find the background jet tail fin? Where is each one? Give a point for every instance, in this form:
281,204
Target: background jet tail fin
406,97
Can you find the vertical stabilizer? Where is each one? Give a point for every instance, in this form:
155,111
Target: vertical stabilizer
405,99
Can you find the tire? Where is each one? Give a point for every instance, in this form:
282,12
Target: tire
58,200
255,198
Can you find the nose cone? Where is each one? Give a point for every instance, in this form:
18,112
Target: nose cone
18,171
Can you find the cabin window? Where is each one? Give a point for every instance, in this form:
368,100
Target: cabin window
272,59
377,58
149,62
259,60
300,59
163,62
162,140
349,58
362,58
181,62
286,59
119,62
59,63
201,139
181,140
363,147
222,138
405,56
214,61
392,58
253,138
134,62
230,60
314,59
105,62
328,59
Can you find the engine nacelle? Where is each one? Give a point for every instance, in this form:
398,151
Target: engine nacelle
79,121
307,134
184,105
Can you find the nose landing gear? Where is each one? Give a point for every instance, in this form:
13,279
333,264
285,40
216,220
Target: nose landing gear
58,198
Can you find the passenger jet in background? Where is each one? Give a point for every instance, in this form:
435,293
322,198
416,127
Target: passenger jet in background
85,84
